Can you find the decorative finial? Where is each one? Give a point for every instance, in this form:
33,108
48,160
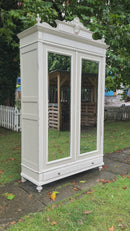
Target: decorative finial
77,25
38,19
103,38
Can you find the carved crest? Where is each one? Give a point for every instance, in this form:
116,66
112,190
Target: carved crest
77,25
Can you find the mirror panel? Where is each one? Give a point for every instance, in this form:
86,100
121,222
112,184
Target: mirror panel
59,95
89,95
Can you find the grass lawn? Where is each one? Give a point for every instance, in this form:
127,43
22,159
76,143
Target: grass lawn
59,144
106,206
116,136
10,155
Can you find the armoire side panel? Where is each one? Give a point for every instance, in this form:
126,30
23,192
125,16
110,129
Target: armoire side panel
30,128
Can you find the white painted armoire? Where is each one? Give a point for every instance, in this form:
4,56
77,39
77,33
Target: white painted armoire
62,79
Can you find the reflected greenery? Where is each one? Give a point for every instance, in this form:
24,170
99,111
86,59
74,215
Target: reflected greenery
58,62
58,144
89,67
88,140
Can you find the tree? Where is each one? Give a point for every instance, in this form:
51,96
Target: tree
106,18
9,53
109,19
15,16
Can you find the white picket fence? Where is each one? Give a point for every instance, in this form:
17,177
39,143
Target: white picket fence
10,118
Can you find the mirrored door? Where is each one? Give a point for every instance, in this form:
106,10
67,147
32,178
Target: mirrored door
59,104
89,98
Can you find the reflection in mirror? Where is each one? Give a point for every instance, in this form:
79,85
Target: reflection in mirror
59,93
88,124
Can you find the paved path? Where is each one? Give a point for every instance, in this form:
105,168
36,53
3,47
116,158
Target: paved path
27,199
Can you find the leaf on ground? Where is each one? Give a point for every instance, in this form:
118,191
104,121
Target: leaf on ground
19,181
82,181
128,177
73,183
124,187
49,193
117,166
80,222
30,196
76,189
17,148
104,181
11,158
20,220
1,171
105,166
119,220
123,175
9,196
56,192
114,130
56,146
111,229
88,212
53,195
88,192
12,222
19,210
53,223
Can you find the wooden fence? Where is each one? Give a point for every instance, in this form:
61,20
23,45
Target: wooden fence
117,113
53,116
10,118
88,114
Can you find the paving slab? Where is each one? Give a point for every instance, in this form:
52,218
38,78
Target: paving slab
27,199
21,205
116,167
122,156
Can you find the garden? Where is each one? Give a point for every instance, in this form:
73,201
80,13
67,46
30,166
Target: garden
103,207
116,137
